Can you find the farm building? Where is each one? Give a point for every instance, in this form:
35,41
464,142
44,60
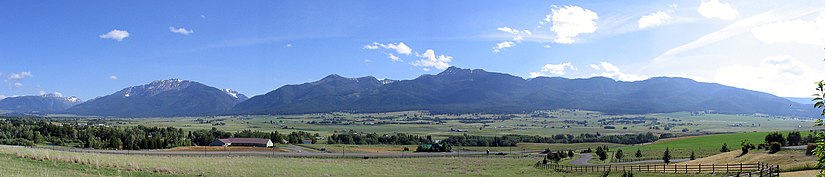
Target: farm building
259,142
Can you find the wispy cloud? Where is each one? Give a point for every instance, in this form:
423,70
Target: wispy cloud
553,69
181,30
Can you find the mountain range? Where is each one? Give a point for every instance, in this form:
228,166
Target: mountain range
163,98
454,90
46,103
457,90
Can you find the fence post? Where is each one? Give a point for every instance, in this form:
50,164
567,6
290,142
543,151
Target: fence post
700,168
740,167
727,168
713,168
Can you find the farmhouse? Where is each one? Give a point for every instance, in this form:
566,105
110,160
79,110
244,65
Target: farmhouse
259,142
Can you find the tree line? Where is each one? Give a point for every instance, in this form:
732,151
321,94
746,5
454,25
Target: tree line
28,132
487,141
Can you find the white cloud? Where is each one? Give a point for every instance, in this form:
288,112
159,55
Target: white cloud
570,21
371,46
54,94
393,57
503,45
429,59
508,30
3,97
115,34
553,69
780,75
399,48
367,61
180,30
653,19
716,9
611,71
798,31
20,75
287,45
203,16
113,77
17,84
594,66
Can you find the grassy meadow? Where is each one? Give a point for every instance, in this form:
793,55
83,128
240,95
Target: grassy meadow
38,162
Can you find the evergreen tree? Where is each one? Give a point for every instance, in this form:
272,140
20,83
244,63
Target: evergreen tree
725,148
666,156
638,153
619,154
692,155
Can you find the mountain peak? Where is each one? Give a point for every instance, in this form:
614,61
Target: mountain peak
457,70
157,87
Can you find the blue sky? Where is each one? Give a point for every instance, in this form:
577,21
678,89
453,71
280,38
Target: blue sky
82,49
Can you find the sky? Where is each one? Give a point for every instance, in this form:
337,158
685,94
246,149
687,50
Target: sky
90,49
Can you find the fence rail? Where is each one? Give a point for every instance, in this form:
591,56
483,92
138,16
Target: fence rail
760,169
614,160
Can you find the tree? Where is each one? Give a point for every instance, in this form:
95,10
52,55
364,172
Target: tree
794,138
725,148
638,153
666,156
562,154
775,137
619,154
692,155
570,153
601,153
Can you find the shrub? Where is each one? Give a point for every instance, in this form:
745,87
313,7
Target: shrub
775,147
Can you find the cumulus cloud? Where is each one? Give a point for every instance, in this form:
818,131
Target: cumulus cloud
780,75
17,84
115,34
503,45
430,60
653,19
181,30
20,75
399,48
113,77
288,46
569,22
553,69
717,9
794,31
367,61
611,71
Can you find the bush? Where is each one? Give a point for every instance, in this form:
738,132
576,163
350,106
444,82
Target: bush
809,151
17,142
775,147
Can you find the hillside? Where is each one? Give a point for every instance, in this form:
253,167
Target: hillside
457,90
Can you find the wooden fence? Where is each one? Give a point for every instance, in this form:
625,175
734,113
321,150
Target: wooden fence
614,160
758,169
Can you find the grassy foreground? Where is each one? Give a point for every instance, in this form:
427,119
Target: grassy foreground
38,162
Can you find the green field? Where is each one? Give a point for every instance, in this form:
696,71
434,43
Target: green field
702,145
439,126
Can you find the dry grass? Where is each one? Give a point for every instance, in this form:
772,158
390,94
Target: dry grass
806,173
221,148
786,160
